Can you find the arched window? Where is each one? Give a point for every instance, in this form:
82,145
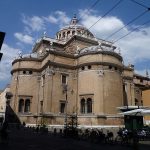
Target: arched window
136,102
73,32
27,105
82,68
79,32
89,105
64,34
21,105
59,36
68,33
83,105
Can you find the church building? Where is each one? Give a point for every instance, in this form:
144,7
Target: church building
74,73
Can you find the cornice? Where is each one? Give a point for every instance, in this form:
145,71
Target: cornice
127,78
102,52
67,66
63,54
26,59
137,76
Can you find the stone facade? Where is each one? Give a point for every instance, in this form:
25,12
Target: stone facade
3,101
76,73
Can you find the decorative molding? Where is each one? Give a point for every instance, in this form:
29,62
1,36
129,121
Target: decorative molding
67,66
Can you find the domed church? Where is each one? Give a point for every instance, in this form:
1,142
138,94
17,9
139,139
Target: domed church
74,73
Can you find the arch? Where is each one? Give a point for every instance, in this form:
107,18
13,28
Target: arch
136,102
27,105
21,105
64,34
68,33
59,35
79,32
89,105
73,32
82,105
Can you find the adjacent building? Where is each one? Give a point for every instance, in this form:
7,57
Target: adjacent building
146,102
3,101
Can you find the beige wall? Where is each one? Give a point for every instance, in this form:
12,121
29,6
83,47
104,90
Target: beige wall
146,102
103,89
113,91
3,100
102,82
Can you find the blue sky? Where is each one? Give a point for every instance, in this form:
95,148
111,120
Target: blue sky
24,21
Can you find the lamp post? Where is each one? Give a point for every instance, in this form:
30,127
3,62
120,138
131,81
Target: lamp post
38,99
66,101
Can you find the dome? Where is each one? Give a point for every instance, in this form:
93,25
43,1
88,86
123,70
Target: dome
72,29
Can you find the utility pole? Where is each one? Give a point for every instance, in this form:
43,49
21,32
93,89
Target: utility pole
66,101
2,35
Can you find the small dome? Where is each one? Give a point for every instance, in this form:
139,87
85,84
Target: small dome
73,29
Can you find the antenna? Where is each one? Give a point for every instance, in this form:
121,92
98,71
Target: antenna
147,74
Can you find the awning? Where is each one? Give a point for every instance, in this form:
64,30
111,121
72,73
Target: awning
131,107
137,112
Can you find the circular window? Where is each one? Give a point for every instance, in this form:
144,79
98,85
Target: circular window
30,72
82,67
110,67
24,72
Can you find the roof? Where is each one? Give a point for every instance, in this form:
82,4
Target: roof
138,76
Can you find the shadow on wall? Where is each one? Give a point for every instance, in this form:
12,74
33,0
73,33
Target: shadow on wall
10,116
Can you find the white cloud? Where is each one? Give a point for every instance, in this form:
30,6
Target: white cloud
34,23
58,17
62,18
135,47
38,23
24,38
104,27
51,19
9,53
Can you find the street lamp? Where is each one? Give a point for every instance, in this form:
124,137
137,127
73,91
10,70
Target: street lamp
66,101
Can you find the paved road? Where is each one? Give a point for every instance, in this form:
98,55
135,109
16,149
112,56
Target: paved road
24,140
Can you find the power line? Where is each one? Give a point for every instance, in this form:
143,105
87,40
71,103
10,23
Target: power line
106,13
127,24
140,4
94,4
88,9
132,31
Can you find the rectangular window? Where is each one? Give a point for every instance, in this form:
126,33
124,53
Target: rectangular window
62,106
141,80
64,79
41,106
43,80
